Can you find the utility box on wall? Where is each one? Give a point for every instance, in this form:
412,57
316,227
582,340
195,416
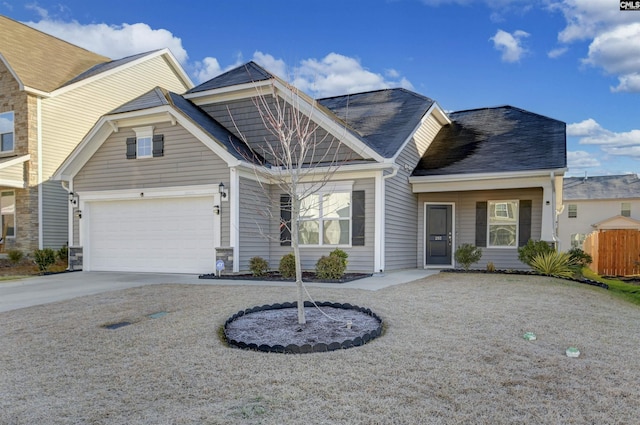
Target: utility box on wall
224,254
75,258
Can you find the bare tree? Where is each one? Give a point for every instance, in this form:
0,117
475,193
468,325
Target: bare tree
296,155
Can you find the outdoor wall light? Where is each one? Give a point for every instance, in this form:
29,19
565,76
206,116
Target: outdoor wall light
73,198
221,190
216,209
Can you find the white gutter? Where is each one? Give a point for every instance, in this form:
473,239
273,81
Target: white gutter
380,228
39,138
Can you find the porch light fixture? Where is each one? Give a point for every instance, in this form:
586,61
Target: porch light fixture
221,190
73,198
216,209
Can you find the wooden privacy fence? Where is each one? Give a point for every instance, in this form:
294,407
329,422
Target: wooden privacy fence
615,252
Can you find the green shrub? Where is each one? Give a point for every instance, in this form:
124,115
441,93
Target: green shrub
579,257
287,266
553,263
44,258
467,254
63,254
340,254
15,256
258,266
531,249
330,267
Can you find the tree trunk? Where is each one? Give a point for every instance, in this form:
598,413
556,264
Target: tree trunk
295,213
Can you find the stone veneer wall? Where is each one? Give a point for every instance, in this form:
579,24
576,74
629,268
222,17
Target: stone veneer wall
24,107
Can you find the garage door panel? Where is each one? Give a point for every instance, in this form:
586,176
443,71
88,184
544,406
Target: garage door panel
152,235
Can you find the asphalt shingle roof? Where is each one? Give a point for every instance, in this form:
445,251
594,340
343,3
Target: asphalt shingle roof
244,74
501,139
383,119
625,186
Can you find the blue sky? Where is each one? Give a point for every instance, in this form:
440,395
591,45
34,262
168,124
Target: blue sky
577,61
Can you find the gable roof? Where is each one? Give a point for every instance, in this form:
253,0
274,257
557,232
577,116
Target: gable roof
41,61
106,66
624,186
243,74
383,119
161,97
479,141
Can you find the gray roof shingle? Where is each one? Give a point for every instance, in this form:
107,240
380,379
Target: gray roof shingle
247,73
383,119
501,139
626,186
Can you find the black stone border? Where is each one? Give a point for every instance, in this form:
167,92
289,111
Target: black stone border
529,273
306,348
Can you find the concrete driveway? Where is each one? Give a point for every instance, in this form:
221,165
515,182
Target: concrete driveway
64,286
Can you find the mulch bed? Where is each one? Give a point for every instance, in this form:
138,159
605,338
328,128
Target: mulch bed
277,277
528,272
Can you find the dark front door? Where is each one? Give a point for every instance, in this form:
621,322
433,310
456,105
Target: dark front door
438,226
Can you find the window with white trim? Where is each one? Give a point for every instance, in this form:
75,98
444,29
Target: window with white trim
625,209
8,212
6,132
144,142
502,223
325,217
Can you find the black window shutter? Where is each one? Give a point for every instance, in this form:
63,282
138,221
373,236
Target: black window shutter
158,145
131,147
481,224
285,220
357,217
524,223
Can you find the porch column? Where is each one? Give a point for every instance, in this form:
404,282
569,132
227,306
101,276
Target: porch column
548,230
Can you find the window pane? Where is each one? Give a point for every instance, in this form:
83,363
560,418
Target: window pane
573,211
502,235
8,210
144,146
309,232
336,205
336,232
6,131
310,208
626,209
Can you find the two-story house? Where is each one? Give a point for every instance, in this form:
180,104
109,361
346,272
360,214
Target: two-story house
51,94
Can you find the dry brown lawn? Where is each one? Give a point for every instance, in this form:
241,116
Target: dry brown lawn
452,353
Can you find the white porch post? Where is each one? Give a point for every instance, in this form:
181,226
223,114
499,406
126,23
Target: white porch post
548,230
378,263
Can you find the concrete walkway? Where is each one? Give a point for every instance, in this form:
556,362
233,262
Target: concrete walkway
59,287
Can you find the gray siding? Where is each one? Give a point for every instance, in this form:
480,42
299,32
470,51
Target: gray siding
255,227
186,161
361,258
242,117
55,233
465,222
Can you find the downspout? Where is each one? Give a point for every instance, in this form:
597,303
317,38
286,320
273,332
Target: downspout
39,181
553,209
380,228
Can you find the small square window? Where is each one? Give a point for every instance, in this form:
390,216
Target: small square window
626,209
573,211
144,146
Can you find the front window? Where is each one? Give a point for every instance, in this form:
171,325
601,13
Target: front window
8,210
626,209
6,132
503,223
573,211
325,219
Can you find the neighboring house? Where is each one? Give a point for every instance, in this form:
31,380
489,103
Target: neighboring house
51,94
595,203
164,183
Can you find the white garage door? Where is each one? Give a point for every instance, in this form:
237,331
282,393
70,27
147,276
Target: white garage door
173,235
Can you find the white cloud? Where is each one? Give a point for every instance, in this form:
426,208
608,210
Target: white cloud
510,44
590,132
113,41
556,53
581,159
612,35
